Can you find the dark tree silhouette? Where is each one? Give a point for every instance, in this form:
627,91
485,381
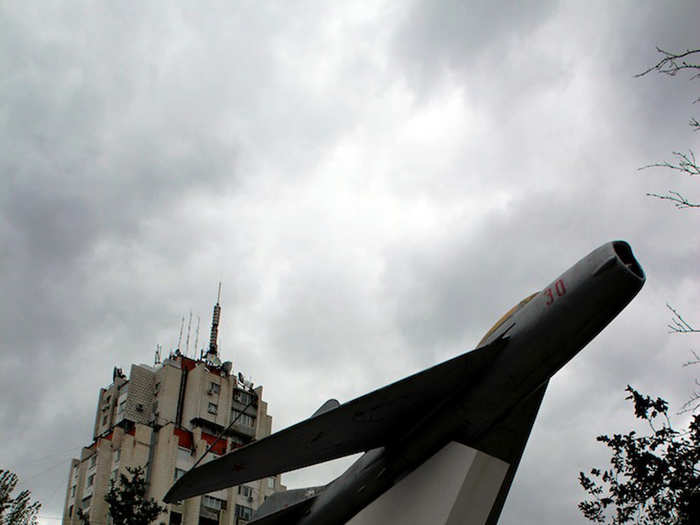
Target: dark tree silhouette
672,64
126,501
19,510
653,478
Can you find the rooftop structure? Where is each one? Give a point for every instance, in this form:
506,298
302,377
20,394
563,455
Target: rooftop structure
164,418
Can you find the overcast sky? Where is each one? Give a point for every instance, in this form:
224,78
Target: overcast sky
374,183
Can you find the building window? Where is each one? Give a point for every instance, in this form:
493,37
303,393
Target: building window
245,491
104,419
91,480
214,388
212,503
72,491
184,456
242,397
244,512
242,419
179,473
236,442
93,460
70,511
157,387
270,483
122,406
212,408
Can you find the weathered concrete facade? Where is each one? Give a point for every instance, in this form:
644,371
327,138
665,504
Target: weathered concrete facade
164,419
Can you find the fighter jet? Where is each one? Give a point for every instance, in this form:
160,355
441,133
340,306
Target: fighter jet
486,399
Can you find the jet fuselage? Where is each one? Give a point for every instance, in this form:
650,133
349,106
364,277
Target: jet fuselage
486,400
542,335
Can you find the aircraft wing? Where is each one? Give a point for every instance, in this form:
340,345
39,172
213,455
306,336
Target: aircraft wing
367,422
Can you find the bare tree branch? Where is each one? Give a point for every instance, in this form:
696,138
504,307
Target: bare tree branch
693,362
680,325
685,163
693,402
680,200
670,65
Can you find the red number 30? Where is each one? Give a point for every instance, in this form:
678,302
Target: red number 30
559,288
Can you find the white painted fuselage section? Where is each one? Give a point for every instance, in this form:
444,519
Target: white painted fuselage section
457,486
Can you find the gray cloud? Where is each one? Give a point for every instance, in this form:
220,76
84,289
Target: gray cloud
435,38
375,185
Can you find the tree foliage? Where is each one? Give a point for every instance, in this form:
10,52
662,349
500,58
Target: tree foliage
19,510
126,500
672,64
653,478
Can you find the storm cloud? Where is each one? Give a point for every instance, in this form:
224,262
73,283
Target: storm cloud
375,184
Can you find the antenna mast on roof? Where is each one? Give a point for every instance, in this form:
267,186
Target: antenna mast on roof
215,324
179,338
196,339
187,341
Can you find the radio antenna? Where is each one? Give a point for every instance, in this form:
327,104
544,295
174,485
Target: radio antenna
187,341
179,338
215,324
196,338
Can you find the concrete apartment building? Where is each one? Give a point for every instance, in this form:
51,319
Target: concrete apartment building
164,418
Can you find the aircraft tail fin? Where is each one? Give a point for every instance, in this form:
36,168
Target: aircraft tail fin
325,407
283,508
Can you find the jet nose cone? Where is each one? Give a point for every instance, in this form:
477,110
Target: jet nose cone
623,251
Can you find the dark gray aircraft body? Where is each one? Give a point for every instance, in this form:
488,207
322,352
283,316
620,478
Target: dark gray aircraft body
486,399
